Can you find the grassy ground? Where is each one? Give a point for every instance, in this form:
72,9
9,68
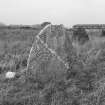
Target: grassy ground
52,84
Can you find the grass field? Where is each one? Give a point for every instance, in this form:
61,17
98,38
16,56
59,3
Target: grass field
48,81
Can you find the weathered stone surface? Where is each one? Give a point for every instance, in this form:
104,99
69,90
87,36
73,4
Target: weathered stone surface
45,63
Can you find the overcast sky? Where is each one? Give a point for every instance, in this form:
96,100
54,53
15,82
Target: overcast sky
67,12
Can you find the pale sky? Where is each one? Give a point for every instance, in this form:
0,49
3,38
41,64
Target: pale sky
67,12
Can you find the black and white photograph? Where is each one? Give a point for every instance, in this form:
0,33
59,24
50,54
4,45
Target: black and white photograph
52,52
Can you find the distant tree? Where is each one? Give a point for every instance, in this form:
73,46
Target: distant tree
80,35
103,33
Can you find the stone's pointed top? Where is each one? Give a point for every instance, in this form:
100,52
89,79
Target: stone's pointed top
10,74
